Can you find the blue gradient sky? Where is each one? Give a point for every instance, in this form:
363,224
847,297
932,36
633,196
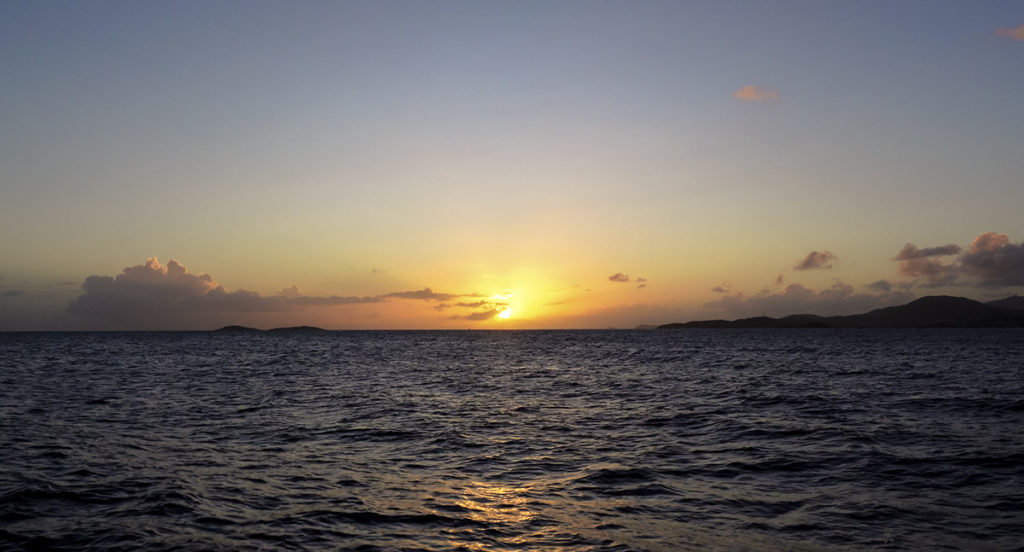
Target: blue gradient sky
535,148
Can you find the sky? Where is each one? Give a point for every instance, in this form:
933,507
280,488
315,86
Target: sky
569,164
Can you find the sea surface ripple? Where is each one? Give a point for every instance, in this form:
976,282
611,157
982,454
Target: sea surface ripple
514,440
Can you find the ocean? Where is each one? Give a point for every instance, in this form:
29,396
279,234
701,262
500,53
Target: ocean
514,440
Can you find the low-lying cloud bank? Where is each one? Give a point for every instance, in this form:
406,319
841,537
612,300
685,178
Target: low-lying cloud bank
798,299
152,295
991,260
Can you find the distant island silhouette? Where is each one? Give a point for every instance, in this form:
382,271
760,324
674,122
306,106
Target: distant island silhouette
238,329
934,311
287,330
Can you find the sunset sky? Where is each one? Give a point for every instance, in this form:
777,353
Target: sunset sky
186,165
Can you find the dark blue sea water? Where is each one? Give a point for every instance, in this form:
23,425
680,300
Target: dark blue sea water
562,440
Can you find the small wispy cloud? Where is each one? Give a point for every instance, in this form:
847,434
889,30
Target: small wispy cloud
911,251
752,93
882,285
816,260
425,294
1017,33
619,277
481,315
474,304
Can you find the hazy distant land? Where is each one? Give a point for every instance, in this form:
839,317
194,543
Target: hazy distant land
936,311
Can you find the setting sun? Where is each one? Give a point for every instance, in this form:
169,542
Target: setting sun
505,314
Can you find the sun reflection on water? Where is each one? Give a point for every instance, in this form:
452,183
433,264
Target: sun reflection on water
494,505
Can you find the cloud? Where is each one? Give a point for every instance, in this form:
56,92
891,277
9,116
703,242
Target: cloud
618,277
751,93
880,285
992,260
154,296
642,282
911,251
425,294
816,260
918,263
12,293
1016,33
490,307
290,292
173,278
724,288
484,315
483,303
935,273
475,304
838,299
327,301
779,280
